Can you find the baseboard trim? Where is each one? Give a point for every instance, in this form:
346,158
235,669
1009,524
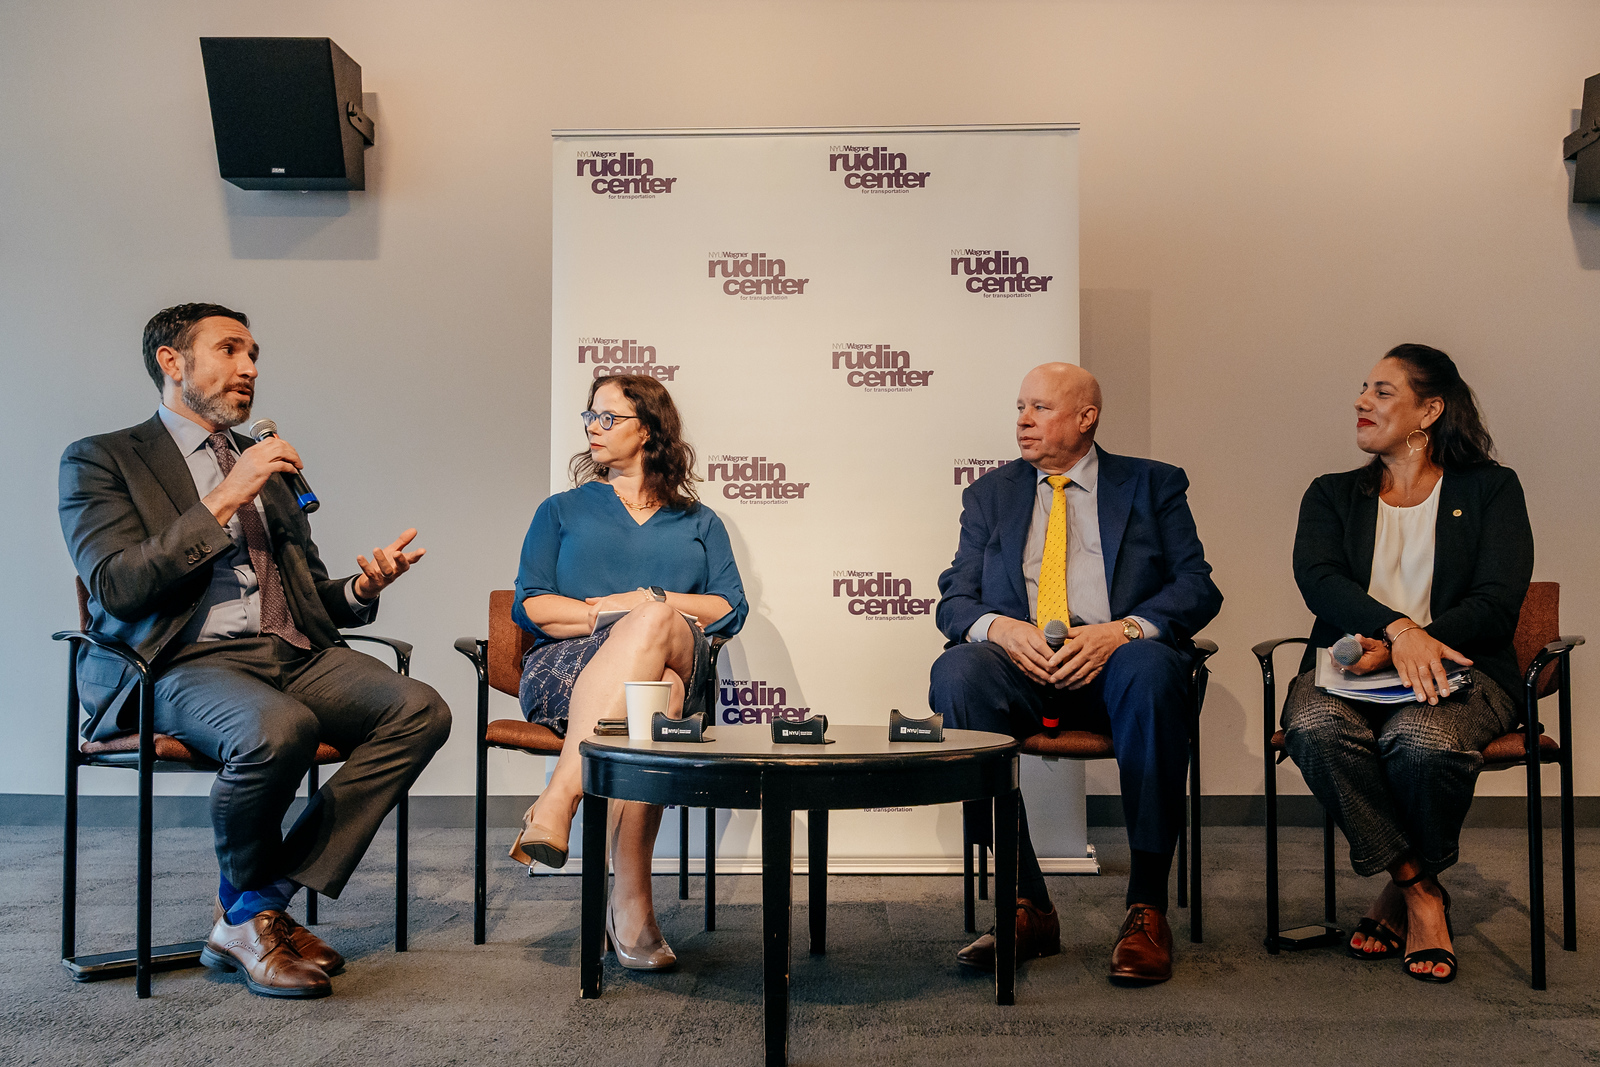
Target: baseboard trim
444,812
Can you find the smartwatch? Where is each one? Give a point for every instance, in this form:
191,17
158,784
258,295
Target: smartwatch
658,594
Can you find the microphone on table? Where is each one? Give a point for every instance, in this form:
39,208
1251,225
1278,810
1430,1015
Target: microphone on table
1055,635
1346,651
262,429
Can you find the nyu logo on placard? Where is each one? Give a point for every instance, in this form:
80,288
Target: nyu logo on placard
880,595
754,275
970,470
875,169
996,273
622,175
878,368
611,355
754,478
750,701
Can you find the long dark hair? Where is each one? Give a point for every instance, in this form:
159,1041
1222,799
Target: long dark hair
668,459
1458,439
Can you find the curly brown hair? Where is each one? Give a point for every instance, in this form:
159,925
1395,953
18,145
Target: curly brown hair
669,475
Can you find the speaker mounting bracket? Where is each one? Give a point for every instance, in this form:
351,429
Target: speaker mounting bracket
360,120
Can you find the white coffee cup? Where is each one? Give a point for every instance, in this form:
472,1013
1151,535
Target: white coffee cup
644,700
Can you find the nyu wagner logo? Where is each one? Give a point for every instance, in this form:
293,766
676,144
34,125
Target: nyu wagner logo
622,175
878,368
879,594
875,169
612,356
996,273
970,470
752,275
754,701
753,478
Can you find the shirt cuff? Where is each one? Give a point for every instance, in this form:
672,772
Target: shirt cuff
979,631
1151,630
362,608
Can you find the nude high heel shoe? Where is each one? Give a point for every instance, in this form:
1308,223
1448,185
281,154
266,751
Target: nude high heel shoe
539,844
653,957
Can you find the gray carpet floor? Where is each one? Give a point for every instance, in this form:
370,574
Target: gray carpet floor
887,992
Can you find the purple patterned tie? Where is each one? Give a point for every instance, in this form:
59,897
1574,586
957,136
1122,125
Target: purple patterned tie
275,617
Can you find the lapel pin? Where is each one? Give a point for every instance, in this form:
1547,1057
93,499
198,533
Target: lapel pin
1456,513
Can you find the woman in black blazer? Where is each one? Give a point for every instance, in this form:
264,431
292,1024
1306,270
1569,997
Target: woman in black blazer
1424,555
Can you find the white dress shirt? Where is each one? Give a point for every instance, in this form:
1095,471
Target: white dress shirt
1402,557
1087,595
231,606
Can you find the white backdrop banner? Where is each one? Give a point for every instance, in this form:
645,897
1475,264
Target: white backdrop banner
843,317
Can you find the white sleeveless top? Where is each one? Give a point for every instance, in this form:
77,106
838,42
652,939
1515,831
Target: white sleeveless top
1402,557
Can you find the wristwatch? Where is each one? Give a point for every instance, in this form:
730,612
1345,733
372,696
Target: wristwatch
658,594
1132,630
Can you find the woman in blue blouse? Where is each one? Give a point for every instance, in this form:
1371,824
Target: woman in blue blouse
630,537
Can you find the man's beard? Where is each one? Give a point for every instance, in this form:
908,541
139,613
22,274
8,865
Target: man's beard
216,408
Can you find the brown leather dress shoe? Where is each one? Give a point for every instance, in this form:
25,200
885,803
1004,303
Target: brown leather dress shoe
1143,952
311,947
1038,934
262,948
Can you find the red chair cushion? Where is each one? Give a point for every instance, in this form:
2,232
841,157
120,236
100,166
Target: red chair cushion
522,736
1070,744
171,750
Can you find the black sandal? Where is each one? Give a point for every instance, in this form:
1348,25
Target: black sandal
1393,943
1433,956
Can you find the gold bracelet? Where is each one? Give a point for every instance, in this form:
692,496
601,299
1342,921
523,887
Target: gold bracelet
1391,640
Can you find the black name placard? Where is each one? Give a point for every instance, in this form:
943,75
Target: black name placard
690,728
904,729
810,732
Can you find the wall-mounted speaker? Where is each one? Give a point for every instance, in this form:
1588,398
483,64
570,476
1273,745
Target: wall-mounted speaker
286,112
1581,145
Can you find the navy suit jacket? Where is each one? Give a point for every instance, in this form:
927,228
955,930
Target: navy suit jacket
1155,565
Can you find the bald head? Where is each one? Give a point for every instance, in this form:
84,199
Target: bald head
1058,408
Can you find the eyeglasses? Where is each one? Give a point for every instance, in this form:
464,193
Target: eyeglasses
605,418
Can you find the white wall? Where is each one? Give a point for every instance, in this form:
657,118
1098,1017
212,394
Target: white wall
1272,195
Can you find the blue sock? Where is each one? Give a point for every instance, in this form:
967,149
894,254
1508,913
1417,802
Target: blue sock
226,893
274,896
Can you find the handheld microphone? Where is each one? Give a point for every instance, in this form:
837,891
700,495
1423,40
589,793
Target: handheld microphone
1346,651
1055,635
262,429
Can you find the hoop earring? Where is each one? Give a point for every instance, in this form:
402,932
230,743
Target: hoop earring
1414,449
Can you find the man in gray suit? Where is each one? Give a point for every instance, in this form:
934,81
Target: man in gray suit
198,557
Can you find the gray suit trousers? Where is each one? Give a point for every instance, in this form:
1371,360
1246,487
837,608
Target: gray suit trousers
259,707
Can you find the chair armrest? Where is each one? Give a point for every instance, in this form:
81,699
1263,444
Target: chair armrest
475,649
1204,650
117,648
1561,646
401,649
1264,649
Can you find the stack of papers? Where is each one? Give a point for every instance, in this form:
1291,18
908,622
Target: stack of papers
1378,687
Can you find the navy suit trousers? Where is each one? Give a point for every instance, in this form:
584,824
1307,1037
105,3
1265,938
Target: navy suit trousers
1141,699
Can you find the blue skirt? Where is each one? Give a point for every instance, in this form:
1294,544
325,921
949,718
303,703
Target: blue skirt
550,671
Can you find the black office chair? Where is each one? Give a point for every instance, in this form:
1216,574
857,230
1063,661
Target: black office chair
148,752
977,830
498,662
1542,654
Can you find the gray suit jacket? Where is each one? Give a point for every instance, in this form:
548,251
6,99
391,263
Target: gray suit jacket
144,544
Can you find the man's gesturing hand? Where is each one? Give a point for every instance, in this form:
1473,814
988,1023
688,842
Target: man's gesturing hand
386,565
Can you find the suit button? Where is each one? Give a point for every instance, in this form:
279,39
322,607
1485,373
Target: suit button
204,548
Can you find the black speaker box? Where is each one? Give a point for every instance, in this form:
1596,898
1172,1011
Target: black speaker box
286,112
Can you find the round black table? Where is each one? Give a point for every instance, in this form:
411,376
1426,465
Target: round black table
742,768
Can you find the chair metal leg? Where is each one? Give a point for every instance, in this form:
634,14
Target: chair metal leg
69,820
1183,861
1196,919
147,760
480,813
313,778
1271,790
683,852
711,869
983,864
1535,853
402,871
1330,903
1569,881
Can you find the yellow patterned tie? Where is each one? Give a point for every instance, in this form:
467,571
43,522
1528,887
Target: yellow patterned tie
1053,569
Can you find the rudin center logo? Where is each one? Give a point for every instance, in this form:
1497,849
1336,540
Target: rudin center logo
970,470
875,170
622,176
611,355
878,368
752,701
753,478
879,595
754,276
996,273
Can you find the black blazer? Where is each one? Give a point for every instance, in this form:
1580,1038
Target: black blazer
144,544
1482,562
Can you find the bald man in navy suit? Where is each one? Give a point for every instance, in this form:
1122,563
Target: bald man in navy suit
1139,589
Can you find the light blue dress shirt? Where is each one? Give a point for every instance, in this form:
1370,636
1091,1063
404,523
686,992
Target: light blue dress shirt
231,606
1086,563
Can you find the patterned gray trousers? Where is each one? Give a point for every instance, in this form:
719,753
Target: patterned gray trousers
1398,779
